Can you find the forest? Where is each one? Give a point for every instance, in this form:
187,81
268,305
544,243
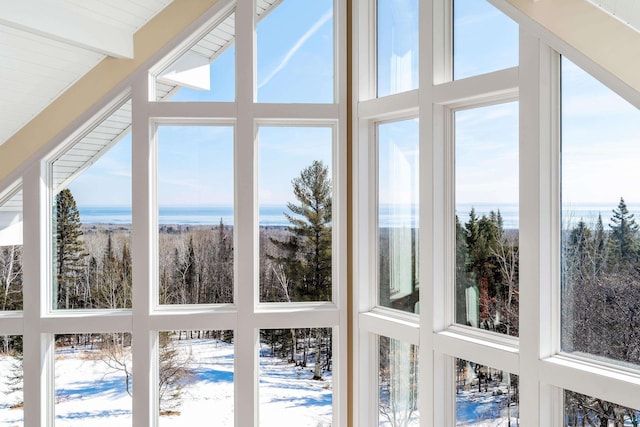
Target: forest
600,294
93,270
600,277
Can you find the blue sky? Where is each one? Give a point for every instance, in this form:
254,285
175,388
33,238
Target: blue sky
294,54
195,163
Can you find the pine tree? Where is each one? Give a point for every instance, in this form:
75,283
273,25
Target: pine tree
306,254
623,240
69,250
600,246
463,276
482,242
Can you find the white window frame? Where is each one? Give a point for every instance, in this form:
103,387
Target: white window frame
38,323
535,355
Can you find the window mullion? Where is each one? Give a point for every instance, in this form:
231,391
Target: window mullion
143,244
246,382
536,242
37,347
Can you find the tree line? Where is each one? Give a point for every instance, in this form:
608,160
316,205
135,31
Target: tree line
601,305
487,273
93,270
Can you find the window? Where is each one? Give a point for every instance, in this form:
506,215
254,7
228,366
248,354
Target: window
480,27
480,255
205,71
195,214
485,395
304,392
397,46
398,215
599,228
295,57
93,377
486,186
12,380
196,377
11,223
91,230
295,194
580,409
194,249
397,383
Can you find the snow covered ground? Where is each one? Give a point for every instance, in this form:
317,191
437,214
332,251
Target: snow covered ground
88,392
485,409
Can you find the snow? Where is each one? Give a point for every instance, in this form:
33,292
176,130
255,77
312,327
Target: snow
485,409
88,392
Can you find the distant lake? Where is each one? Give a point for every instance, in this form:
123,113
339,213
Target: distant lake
271,215
390,216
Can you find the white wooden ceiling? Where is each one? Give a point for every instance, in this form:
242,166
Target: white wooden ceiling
48,45
627,11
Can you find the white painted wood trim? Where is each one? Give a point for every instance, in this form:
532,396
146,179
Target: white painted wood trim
52,20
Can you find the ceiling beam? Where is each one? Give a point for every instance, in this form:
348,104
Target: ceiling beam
53,20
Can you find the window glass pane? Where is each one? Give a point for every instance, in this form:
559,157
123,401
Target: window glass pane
93,382
485,396
486,191
295,195
195,199
205,72
484,39
398,215
11,381
11,252
581,410
600,204
295,51
196,378
91,209
397,38
397,383
296,377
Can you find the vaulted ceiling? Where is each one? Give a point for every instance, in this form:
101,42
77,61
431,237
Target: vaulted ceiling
48,45
627,11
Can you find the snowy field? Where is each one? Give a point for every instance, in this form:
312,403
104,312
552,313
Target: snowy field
89,393
485,409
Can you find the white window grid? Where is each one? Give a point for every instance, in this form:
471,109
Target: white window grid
38,323
535,355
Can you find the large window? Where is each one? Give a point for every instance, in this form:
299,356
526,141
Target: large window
11,237
186,244
486,186
484,39
397,46
398,215
600,232
90,229
195,214
495,223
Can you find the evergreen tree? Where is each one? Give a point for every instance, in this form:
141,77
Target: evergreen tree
306,254
600,246
221,290
126,276
580,243
190,274
482,242
69,250
464,278
623,240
